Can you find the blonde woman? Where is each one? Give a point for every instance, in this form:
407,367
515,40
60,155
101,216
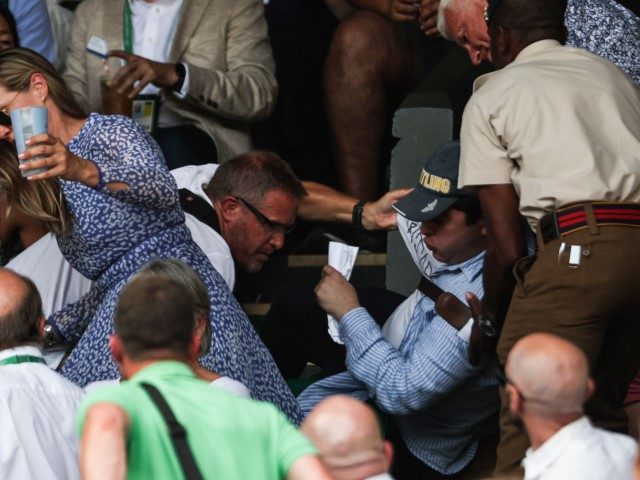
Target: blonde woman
124,210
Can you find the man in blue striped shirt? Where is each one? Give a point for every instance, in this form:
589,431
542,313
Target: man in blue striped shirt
440,405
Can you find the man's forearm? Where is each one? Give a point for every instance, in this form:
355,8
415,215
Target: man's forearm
506,244
324,204
102,449
498,285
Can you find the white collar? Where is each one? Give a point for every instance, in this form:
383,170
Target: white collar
537,461
380,476
22,350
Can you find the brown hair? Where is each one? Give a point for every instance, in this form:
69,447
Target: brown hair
188,278
20,326
17,65
42,200
154,313
252,175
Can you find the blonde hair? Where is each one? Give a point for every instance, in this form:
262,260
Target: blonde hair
17,66
42,199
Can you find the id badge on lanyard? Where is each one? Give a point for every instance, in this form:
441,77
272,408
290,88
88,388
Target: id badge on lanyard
145,106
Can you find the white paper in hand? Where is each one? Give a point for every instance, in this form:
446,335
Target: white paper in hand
342,257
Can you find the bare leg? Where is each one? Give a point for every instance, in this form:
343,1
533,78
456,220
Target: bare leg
370,59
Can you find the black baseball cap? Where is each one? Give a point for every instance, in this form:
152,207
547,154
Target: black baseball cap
437,187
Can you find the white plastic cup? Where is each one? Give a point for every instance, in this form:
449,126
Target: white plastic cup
28,122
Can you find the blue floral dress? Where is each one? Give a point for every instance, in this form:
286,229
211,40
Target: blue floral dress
114,234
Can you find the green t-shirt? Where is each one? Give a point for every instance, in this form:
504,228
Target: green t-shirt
230,437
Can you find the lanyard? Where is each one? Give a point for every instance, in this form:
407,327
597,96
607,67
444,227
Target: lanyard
21,359
127,28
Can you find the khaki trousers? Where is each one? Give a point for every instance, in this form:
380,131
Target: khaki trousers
595,305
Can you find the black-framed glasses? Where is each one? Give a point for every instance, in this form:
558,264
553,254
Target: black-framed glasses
266,221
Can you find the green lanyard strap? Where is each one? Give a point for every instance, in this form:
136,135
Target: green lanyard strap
21,359
127,29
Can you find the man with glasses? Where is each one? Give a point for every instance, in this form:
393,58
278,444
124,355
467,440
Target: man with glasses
548,383
249,203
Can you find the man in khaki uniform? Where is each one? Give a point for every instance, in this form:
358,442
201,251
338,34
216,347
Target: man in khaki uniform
211,59
554,136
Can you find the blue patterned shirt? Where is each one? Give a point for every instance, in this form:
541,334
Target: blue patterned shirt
441,403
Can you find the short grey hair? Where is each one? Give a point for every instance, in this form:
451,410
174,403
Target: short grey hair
183,274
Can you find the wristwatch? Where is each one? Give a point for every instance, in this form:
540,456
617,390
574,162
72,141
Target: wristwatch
487,325
181,72
51,338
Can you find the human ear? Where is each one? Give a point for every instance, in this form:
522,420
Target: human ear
116,349
229,208
515,400
387,448
38,85
591,387
41,322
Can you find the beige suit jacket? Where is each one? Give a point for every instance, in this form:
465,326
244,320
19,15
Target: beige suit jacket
227,50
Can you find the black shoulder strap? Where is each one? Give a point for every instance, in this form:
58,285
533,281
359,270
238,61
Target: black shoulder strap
177,432
199,208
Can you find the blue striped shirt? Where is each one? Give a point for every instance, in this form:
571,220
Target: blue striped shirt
441,403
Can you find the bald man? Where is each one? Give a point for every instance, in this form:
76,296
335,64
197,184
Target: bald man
347,435
548,383
37,405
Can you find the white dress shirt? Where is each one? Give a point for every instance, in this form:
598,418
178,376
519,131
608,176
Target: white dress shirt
579,451
154,25
57,281
37,413
194,178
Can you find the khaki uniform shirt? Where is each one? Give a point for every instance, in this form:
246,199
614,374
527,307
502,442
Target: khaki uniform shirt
561,124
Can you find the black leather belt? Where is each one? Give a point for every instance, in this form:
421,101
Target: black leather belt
569,219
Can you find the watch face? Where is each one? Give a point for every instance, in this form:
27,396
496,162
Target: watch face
486,325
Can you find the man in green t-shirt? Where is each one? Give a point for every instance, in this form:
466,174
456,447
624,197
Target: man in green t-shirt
125,435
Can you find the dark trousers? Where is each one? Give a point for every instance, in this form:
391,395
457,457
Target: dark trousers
295,329
596,306
405,465
185,145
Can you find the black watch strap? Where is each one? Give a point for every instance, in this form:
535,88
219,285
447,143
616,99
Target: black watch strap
356,215
181,72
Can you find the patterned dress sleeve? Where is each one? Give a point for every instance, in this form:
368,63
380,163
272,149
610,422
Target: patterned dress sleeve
70,322
124,152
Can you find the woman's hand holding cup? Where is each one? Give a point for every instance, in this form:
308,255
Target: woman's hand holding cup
56,157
